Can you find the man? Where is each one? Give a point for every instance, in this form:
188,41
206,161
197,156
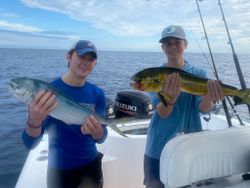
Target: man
181,112
73,156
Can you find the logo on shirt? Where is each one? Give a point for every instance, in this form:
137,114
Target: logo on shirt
88,106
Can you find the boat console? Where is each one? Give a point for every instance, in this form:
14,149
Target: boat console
200,157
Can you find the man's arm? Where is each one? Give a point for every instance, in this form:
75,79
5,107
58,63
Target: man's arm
38,110
42,104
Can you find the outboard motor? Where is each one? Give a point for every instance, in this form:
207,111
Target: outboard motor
132,103
109,109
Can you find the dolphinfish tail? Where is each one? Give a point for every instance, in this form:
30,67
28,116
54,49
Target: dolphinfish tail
243,97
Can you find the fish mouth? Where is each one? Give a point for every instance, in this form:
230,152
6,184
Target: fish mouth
133,85
137,85
10,85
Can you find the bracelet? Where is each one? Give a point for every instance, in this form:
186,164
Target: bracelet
166,104
170,104
33,127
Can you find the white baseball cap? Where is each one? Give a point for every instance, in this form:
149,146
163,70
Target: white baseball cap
174,31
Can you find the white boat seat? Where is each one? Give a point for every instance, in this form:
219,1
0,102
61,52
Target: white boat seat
189,158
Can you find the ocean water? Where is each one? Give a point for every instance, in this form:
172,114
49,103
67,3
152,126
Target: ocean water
112,73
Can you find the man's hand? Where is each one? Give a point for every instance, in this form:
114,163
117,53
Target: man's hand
93,127
172,87
42,104
214,91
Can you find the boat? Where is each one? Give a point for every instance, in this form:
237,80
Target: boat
217,157
214,158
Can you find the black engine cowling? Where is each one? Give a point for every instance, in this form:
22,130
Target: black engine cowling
132,103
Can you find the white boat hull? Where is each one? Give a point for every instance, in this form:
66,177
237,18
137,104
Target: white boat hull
122,162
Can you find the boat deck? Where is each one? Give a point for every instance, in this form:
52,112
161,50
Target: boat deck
123,160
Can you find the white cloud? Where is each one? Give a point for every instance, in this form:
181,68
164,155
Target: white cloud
123,18
147,17
27,40
17,27
9,15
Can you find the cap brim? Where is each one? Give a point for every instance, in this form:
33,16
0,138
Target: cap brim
166,38
82,52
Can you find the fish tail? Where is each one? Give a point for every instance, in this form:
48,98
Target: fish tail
116,129
243,97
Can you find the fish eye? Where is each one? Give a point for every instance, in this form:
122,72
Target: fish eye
17,86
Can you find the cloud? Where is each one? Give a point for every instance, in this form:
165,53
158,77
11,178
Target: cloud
147,17
122,18
143,19
60,34
17,27
13,39
9,15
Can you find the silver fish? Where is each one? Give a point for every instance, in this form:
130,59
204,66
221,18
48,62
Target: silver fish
67,111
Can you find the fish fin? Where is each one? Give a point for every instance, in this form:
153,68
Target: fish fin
116,129
237,100
243,97
164,98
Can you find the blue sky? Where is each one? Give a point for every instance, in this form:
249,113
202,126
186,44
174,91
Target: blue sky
129,25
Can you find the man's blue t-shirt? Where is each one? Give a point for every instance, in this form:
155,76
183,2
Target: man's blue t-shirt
183,119
68,147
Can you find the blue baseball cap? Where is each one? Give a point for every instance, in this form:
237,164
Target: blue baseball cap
173,31
84,46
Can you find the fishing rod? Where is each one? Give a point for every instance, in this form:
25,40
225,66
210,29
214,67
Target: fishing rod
227,97
202,51
215,70
236,61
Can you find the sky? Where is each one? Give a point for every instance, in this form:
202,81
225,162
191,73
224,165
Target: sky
116,25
